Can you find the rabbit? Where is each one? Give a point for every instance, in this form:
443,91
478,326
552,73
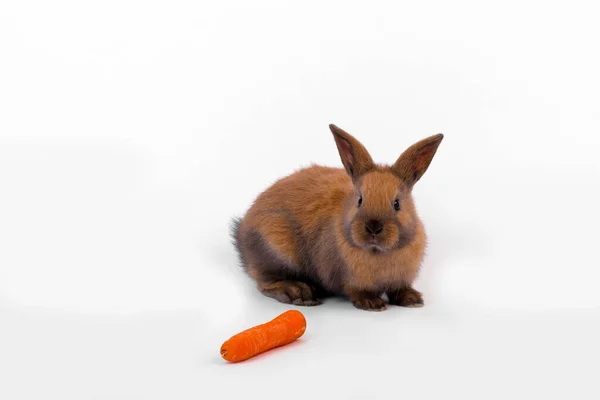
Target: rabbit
352,232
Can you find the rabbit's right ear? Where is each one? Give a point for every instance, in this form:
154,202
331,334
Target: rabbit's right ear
415,160
354,155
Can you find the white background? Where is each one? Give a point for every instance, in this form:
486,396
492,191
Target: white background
131,132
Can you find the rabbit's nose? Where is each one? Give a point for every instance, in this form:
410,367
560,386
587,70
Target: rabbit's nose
374,227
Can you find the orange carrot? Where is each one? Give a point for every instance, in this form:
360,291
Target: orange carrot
280,331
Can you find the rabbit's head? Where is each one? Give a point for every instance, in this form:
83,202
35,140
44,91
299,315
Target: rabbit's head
379,215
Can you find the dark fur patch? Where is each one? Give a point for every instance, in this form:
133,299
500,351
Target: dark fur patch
265,261
254,252
234,229
405,235
330,272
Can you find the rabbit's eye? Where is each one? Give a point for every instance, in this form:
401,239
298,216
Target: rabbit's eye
396,204
360,201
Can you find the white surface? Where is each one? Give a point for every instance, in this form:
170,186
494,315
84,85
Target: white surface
131,133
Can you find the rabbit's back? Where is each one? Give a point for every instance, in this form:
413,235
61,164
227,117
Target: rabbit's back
285,227
311,196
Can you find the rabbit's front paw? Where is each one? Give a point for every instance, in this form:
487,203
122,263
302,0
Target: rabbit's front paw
406,297
368,302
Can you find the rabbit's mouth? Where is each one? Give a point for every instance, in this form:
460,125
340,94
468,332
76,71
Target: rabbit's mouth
373,248
370,239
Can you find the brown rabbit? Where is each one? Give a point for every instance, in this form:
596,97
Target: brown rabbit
325,231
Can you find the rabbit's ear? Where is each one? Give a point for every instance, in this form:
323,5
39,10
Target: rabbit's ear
415,160
354,155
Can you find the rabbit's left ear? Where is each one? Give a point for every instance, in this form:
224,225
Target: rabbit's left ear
415,160
354,155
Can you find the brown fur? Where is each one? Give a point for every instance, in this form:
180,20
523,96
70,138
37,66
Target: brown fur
306,236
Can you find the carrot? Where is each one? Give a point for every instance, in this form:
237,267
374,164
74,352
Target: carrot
280,331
